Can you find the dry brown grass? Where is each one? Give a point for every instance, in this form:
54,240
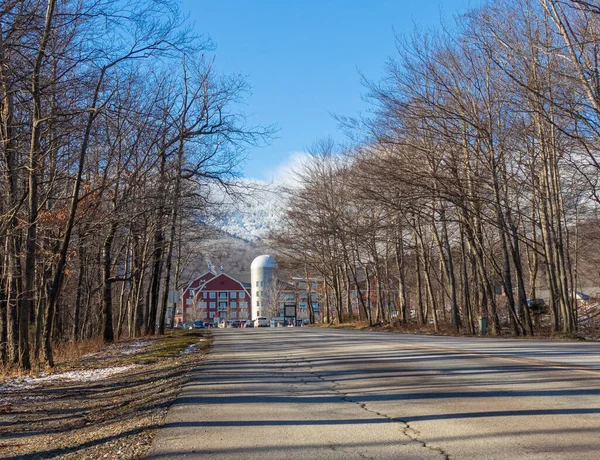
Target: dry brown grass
63,353
71,351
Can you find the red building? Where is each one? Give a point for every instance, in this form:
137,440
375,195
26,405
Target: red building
213,297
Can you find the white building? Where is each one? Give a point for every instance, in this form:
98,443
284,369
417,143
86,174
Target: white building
263,273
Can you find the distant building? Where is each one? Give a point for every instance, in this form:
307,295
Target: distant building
216,296
359,295
301,290
274,297
263,272
213,297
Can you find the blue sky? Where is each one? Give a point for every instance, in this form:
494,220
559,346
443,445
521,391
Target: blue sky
303,58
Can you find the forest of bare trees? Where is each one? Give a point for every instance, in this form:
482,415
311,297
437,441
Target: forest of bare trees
114,125
471,196
474,186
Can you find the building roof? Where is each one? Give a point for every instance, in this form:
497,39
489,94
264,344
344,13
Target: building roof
243,278
199,281
264,261
222,282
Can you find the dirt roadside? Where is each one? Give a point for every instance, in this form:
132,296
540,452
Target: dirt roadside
106,405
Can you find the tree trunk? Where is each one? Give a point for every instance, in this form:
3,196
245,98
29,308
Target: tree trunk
107,316
399,253
78,297
420,315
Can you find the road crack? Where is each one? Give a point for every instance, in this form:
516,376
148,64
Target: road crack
407,430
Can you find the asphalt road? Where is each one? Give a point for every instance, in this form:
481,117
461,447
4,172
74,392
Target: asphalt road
314,393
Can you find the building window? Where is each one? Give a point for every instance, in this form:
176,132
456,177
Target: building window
257,293
192,292
233,305
211,314
243,304
204,295
188,301
258,303
242,295
262,284
202,304
222,306
233,314
213,305
222,295
258,284
213,294
233,295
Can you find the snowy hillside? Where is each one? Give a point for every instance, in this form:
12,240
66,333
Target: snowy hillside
253,218
261,209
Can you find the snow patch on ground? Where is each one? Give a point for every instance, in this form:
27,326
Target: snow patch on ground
90,375
193,347
129,348
121,349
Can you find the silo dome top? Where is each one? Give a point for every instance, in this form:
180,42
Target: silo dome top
263,261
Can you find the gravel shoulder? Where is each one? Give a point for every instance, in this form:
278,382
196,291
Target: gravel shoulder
105,405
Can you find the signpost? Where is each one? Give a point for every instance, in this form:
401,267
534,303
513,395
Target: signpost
289,311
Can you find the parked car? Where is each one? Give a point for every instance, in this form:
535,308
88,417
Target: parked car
249,323
198,324
236,324
261,321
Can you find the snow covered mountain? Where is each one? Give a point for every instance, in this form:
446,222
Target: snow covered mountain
252,218
262,207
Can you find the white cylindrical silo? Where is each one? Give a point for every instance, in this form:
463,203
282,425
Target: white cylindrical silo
263,273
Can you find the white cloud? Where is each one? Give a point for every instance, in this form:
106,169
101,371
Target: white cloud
286,173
